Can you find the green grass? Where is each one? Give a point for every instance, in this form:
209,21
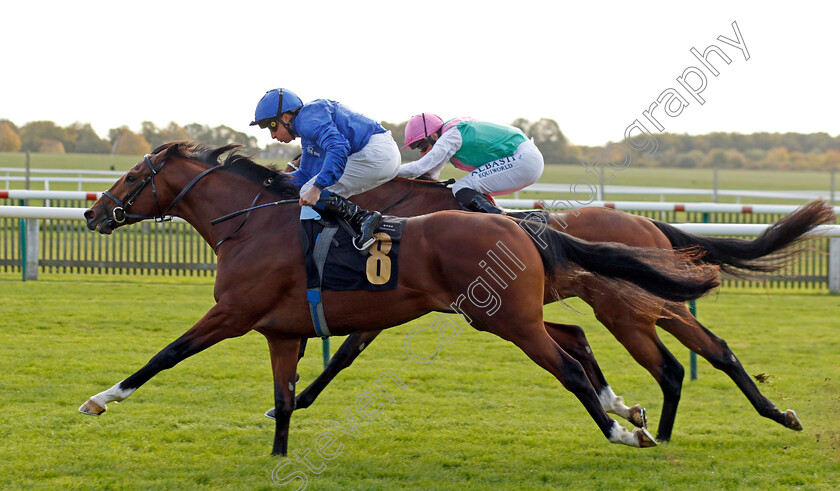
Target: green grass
480,416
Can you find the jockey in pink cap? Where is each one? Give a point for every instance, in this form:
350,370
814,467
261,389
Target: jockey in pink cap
500,159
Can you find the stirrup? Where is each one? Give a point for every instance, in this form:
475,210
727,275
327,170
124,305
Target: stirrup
364,246
366,221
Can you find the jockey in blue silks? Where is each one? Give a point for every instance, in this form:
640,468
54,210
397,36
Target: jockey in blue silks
344,153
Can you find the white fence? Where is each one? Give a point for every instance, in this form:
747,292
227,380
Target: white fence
35,213
512,203
564,189
648,206
48,176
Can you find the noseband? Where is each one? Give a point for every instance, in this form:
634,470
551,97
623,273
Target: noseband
119,214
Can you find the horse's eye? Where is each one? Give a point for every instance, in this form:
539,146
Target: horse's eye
130,179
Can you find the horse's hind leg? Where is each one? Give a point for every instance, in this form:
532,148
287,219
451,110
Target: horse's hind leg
683,326
536,343
350,349
284,367
637,333
573,341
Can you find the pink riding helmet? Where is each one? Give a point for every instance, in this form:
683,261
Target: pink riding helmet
421,126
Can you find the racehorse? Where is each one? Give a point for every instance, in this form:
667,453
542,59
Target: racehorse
636,330
261,280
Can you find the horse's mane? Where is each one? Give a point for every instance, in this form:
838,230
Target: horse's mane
241,165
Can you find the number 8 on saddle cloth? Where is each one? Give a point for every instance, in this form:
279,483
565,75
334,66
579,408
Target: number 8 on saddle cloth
336,264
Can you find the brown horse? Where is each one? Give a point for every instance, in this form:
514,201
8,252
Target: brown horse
261,279
634,328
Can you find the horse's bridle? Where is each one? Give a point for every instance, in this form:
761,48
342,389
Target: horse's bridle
119,214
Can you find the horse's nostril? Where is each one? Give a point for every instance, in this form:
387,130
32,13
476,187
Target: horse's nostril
89,214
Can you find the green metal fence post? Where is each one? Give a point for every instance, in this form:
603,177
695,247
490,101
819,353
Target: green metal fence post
692,358
23,244
692,307
325,343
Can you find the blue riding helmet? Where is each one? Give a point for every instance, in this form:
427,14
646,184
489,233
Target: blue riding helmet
274,103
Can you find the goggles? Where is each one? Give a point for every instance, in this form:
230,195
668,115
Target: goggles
421,145
268,123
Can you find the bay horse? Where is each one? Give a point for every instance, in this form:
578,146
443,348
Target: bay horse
261,281
635,329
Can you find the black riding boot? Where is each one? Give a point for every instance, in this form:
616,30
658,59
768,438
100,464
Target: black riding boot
363,221
474,201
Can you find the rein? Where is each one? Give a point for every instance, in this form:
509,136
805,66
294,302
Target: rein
235,214
248,214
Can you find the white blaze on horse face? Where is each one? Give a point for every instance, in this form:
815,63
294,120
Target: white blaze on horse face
613,403
114,394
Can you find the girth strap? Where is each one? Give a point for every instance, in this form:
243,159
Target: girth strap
313,295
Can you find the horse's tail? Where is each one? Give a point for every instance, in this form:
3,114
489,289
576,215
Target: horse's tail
765,253
667,274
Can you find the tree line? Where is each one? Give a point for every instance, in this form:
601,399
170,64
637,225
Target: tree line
47,137
781,151
812,151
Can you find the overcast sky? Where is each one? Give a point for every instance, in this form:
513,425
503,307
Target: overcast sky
593,67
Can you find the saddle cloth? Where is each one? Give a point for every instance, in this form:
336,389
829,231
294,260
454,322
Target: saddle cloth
341,266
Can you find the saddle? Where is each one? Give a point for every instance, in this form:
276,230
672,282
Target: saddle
333,263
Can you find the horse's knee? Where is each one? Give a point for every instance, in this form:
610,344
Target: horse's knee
579,341
284,410
571,338
284,406
723,359
574,377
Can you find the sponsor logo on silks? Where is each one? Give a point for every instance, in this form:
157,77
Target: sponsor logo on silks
495,166
311,151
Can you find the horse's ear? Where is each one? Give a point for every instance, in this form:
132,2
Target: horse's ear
166,148
173,148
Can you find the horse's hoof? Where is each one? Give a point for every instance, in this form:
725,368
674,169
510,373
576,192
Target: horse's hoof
792,421
638,416
92,408
644,437
270,414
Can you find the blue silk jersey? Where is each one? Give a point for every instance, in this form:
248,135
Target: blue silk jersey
329,131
